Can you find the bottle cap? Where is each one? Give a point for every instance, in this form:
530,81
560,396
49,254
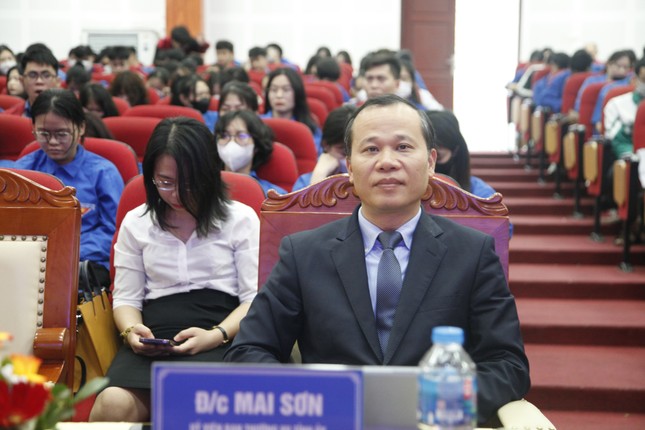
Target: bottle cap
447,334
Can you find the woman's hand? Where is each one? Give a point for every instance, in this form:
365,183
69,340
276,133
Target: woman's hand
195,340
138,331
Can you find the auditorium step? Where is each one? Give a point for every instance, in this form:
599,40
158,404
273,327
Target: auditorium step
531,189
546,206
573,281
515,175
569,249
588,420
582,322
563,224
587,378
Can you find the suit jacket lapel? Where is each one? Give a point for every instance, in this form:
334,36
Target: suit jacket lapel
425,256
353,275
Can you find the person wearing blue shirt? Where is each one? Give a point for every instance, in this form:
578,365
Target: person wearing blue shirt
244,143
285,98
596,116
193,91
59,124
618,68
548,91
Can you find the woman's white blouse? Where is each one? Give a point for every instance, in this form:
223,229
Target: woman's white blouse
152,263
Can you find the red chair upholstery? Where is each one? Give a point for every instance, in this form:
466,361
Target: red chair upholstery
121,105
323,94
153,97
539,75
257,88
15,134
346,74
244,189
213,104
134,130
298,138
256,76
163,111
318,109
100,76
45,179
7,101
587,105
3,84
571,88
120,154
281,169
332,198
331,86
164,101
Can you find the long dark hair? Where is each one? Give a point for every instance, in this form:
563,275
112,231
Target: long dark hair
301,111
200,187
101,97
261,133
449,136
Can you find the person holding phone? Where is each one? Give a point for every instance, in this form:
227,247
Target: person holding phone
186,267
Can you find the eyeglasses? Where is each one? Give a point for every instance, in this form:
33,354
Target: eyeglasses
45,76
239,137
62,137
286,89
164,185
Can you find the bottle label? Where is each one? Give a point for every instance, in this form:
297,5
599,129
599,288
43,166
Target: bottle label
448,400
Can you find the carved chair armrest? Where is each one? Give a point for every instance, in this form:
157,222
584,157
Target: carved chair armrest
52,343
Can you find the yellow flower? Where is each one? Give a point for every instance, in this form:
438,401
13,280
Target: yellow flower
27,366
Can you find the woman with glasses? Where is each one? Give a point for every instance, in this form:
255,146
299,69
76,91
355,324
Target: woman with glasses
244,144
59,126
186,267
285,98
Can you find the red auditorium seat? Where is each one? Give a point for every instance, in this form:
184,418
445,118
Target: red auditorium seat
121,105
318,109
7,101
163,111
134,130
323,94
153,97
15,134
331,86
281,169
3,84
256,76
298,138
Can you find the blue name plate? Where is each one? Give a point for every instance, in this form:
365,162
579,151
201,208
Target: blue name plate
200,396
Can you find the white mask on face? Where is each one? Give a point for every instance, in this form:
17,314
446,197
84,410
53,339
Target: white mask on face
234,155
88,65
6,65
404,90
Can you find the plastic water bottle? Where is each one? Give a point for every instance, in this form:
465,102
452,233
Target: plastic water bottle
447,384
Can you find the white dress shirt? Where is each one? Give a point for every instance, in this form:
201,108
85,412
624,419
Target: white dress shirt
152,263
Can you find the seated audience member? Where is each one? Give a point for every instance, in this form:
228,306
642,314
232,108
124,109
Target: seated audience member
381,73
97,101
244,143
344,57
548,91
580,61
410,90
276,58
237,96
129,86
39,73
225,54
536,62
77,77
453,157
159,81
197,300
285,98
258,60
7,60
617,72
235,73
59,125
181,39
406,55
327,69
192,91
333,159
119,59
84,56
311,67
620,113
325,292
323,52
14,83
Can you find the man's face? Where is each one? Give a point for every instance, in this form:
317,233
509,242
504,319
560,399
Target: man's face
259,63
389,163
379,80
38,78
224,57
119,65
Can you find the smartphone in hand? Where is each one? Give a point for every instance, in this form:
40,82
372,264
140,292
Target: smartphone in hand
149,341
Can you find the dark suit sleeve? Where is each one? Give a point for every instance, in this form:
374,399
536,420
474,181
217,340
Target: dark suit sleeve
269,330
494,341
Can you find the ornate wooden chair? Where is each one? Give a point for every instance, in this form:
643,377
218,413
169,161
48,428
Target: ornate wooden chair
39,255
333,198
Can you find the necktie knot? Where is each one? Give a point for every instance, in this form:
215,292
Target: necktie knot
389,239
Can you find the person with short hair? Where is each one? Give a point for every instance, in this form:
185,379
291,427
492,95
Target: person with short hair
258,59
323,293
548,90
186,267
225,54
327,69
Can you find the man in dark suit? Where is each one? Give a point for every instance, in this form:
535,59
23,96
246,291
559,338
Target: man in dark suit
323,292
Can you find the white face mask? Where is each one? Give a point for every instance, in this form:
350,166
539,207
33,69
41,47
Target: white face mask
6,65
88,65
404,90
234,155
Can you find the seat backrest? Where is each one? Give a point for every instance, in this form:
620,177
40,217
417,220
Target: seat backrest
121,105
100,76
7,101
39,256
153,97
333,198
318,109
298,138
244,189
614,92
120,154
256,76
3,84
346,74
587,105
163,111
539,75
331,86
638,132
323,94
15,134
570,91
281,169
134,130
